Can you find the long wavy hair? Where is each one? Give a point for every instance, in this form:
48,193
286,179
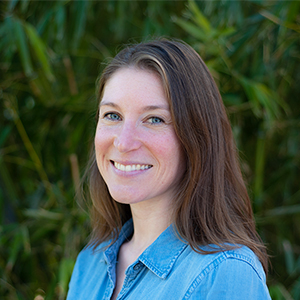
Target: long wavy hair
212,206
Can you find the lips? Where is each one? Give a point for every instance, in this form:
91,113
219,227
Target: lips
131,168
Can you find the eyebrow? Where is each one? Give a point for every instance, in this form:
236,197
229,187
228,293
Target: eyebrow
146,108
154,107
104,103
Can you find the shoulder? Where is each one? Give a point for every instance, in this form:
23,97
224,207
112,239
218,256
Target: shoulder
244,258
88,261
239,258
89,270
233,274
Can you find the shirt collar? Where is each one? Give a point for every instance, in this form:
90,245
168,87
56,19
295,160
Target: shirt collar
111,253
162,254
159,257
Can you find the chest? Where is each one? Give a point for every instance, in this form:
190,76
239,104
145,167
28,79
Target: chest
139,283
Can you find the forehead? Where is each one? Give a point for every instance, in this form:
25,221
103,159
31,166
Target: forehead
128,84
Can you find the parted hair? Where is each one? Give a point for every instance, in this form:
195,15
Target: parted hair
212,206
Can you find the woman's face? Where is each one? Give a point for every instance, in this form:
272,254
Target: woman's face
137,151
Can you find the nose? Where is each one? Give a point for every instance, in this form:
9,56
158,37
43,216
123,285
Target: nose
127,139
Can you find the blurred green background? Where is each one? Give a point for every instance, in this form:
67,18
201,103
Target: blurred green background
51,53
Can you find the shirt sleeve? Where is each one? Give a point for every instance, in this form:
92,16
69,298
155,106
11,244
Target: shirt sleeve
232,279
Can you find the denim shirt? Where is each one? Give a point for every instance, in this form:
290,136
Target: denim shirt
169,269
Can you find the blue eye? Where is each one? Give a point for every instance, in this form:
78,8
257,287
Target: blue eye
156,120
112,116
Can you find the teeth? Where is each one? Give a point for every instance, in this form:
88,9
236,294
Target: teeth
129,168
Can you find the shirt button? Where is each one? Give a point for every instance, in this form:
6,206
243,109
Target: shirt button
137,267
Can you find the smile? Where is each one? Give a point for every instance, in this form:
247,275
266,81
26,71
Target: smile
130,168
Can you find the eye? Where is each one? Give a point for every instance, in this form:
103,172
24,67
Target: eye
112,116
155,120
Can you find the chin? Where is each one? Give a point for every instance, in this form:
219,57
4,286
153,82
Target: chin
124,198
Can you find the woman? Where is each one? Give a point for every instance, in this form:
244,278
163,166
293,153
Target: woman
171,214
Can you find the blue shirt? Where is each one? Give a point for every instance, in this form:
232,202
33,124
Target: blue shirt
169,269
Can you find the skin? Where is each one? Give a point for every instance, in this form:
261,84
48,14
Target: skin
135,133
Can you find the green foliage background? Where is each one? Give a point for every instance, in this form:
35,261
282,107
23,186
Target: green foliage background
51,52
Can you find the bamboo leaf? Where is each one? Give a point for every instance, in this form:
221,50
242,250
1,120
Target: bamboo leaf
199,18
80,19
12,4
40,49
296,289
283,211
15,248
26,239
24,5
250,91
60,18
4,134
44,214
227,31
293,11
190,28
23,47
279,292
261,97
65,271
276,20
289,256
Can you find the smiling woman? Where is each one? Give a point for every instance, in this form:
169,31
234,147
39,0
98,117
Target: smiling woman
171,215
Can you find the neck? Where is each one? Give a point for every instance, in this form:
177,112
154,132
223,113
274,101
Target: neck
149,222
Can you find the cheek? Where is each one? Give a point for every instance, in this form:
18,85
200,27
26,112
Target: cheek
169,150
102,139
98,142
102,144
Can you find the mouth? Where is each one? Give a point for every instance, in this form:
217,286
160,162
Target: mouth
130,168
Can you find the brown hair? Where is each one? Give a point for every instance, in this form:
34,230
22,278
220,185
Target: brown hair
212,205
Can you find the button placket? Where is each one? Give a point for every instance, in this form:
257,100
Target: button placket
130,278
137,267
